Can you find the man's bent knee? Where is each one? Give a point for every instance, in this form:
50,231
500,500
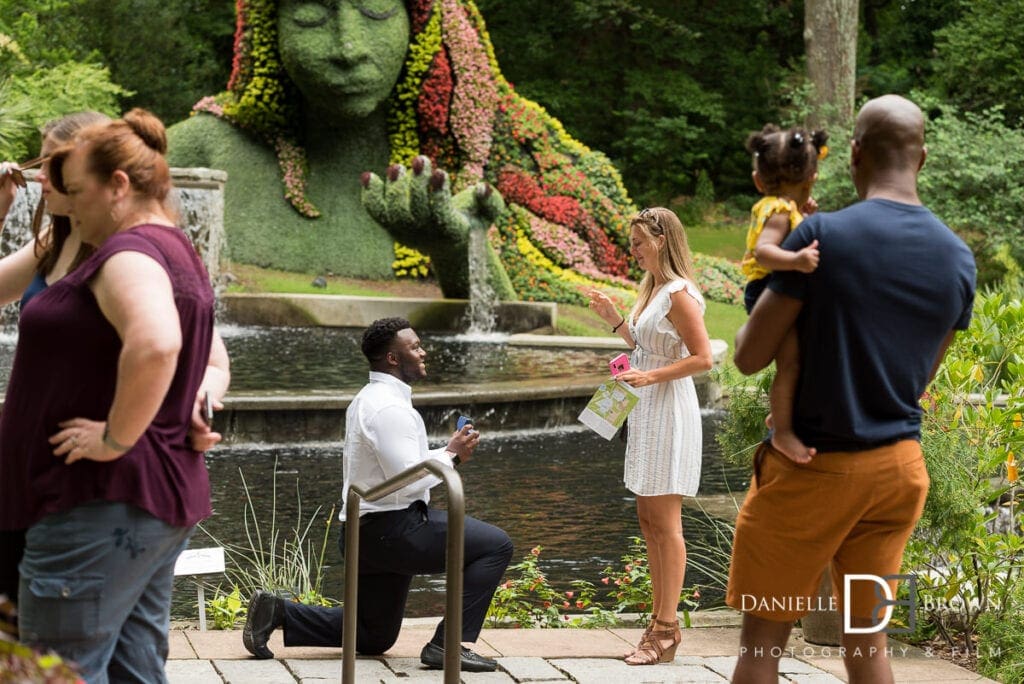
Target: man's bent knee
375,644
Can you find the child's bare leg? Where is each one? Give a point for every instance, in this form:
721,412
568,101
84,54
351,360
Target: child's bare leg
783,392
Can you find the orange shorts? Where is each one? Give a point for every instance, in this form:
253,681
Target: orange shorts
853,509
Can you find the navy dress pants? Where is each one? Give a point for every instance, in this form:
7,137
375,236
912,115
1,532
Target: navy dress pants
395,546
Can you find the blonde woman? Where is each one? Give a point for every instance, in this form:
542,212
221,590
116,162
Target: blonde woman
666,332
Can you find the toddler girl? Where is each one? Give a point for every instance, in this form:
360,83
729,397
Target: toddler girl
785,168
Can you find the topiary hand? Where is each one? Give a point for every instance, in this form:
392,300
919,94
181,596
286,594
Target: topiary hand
419,210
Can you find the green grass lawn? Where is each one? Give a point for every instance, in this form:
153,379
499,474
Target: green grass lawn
254,279
722,321
722,240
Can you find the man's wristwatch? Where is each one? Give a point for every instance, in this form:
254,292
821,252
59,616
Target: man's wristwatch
454,456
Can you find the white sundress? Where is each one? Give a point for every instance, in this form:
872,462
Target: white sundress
663,449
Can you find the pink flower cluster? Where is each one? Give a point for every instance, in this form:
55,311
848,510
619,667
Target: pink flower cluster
519,187
292,161
239,45
209,105
563,246
568,249
476,94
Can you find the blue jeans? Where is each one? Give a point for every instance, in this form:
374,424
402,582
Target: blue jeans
96,588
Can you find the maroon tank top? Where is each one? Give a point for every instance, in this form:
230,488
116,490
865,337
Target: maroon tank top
65,366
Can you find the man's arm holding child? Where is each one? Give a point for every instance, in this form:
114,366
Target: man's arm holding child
770,253
758,340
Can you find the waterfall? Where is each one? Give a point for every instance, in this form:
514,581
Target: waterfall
482,300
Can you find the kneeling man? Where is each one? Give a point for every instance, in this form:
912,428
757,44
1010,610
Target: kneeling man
400,536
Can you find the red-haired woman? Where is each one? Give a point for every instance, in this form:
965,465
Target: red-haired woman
102,390
55,250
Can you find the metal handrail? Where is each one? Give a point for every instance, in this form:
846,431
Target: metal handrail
455,555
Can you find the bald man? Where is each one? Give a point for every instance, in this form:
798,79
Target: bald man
874,321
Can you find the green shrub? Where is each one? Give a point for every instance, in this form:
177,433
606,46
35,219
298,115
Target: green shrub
288,563
528,600
744,428
53,92
977,61
225,610
967,550
720,280
999,641
973,180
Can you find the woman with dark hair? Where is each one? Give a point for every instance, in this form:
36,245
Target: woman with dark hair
94,432
56,247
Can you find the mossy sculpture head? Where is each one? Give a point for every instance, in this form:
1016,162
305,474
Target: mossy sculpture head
428,68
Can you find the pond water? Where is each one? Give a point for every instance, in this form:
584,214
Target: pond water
320,360
329,359
559,489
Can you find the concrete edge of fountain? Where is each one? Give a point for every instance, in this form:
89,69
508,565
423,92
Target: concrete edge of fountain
350,311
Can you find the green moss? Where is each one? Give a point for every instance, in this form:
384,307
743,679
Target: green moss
263,229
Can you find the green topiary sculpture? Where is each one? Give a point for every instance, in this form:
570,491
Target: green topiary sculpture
321,91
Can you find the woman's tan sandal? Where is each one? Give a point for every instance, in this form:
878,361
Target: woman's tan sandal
654,649
643,637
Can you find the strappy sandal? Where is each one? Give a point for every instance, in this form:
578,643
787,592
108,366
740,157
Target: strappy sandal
643,637
653,650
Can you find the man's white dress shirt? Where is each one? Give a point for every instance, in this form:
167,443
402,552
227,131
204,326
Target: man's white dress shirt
384,435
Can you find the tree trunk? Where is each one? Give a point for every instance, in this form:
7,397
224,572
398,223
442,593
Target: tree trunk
830,39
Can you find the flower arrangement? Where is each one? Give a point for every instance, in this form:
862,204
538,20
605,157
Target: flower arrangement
719,280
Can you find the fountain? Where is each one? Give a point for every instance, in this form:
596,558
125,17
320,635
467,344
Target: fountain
198,198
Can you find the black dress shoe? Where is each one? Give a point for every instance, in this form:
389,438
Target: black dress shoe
265,614
432,656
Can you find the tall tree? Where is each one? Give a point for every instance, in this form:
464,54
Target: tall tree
830,40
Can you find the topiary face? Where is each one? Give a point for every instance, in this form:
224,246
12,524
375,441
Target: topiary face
344,56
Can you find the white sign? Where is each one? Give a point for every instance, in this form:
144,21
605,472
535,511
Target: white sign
200,561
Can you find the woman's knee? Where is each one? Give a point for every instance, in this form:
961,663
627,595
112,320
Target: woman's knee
663,531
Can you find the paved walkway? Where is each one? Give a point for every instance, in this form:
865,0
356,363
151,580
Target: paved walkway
707,654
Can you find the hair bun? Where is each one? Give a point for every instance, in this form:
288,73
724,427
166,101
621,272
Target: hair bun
149,128
758,142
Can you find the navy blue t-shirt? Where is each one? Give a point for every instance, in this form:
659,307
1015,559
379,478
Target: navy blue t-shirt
892,282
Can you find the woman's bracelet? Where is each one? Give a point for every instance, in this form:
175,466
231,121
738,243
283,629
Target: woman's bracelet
113,443
616,328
